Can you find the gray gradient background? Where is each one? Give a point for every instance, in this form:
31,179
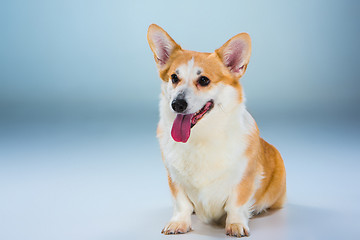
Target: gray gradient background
78,111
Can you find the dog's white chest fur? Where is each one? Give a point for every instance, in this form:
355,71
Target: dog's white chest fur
208,174
212,162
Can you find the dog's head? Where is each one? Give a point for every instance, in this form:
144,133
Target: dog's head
194,81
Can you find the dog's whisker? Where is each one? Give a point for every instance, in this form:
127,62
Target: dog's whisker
221,107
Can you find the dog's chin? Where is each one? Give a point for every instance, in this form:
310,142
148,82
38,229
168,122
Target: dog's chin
201,113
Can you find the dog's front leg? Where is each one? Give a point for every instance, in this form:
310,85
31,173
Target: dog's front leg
238,208
183,208
237,217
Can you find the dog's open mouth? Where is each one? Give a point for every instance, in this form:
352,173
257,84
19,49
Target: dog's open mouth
182,125
199,114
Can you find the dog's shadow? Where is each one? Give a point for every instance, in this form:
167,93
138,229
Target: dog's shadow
201,230
286,223
217,230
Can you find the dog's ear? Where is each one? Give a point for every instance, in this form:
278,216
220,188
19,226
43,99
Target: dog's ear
161,44
235,54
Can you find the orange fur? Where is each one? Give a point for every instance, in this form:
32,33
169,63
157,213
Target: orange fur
266,160
174,190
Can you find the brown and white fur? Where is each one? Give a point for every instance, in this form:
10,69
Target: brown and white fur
224,170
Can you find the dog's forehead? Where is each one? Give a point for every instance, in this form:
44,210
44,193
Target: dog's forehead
188,64
189,70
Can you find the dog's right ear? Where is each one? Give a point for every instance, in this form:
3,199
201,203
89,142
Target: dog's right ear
161,44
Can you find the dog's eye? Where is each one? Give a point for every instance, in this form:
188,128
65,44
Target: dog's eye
203,81
174,78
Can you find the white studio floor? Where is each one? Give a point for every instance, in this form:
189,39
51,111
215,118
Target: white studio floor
105,181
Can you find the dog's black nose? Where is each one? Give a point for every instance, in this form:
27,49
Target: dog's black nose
179,105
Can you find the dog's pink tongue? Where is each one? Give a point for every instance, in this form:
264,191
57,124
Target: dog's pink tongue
180,131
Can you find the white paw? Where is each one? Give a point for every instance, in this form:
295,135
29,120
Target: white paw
237,230
176,228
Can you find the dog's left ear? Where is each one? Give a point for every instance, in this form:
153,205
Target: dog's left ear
161,44
235,54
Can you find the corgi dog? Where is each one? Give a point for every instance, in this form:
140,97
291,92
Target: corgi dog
217,164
